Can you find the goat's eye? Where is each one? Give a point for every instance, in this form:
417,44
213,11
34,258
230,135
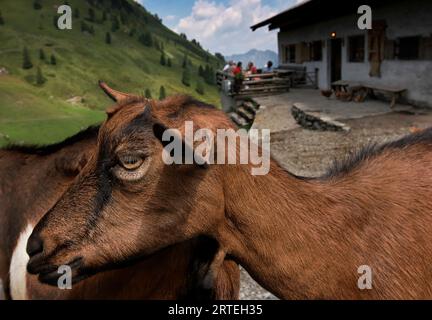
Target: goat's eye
131,162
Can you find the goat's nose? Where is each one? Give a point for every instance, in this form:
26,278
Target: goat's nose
34,245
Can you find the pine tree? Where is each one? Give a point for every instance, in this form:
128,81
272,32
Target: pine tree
53,60
209,75
162,59
146,39
185,62
2,22
123,18
40,80
201,71
37,5
76,13
55,19
41,55
162,93
169,62
148,94
200,88
108,38
186,77
156,44
84,26
104,16
115,24
91,14
27,64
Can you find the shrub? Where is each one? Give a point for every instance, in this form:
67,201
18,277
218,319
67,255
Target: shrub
147,94
186,77
162,93
40,80
200,88
53,60
27,64
162,59
41,55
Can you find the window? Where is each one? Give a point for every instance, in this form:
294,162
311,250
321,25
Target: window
408,48
290,53
316,51
356,49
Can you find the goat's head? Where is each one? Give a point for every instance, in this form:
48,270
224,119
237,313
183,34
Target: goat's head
127,203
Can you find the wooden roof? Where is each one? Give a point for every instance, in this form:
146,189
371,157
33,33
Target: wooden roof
313,11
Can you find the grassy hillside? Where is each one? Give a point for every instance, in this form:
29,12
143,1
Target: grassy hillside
40,113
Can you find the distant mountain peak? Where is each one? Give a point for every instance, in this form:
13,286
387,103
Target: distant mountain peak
258,57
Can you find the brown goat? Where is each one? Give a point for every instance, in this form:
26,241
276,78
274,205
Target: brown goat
32,179
299,238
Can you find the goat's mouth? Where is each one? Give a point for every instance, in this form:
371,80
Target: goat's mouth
50,273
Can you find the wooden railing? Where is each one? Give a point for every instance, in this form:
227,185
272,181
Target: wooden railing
277,81
254,84
301,77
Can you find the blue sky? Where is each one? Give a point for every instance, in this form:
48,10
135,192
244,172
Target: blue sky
221,25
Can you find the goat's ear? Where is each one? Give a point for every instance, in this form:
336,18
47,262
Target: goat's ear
177,140
72,162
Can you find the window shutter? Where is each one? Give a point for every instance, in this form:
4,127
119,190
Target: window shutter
426,48
389,49
299,55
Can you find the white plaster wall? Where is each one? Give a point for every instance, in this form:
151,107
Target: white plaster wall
408,18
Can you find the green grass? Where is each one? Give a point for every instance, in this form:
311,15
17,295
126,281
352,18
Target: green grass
41,114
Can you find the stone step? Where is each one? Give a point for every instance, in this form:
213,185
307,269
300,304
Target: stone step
250,107
240,121
314,121
248,116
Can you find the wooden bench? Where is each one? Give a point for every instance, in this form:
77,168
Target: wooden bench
395,92
344,85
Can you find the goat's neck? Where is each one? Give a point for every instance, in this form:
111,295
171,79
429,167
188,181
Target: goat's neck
274,226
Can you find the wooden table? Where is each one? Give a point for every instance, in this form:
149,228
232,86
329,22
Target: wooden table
395,92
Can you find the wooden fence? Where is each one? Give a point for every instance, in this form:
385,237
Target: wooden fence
278,81
254,84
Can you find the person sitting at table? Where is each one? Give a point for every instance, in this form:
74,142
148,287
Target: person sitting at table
238,77
269,67
238,70
251,69
229,67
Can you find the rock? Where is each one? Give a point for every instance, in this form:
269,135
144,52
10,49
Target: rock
3,71
76,100
4,136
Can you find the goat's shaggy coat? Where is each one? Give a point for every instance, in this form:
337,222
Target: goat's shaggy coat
299,238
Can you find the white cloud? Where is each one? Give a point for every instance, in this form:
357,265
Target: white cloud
169,17
226,28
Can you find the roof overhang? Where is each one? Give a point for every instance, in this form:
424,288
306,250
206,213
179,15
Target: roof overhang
313,11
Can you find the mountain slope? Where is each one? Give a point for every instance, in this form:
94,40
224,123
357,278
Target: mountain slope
32,113
258,57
